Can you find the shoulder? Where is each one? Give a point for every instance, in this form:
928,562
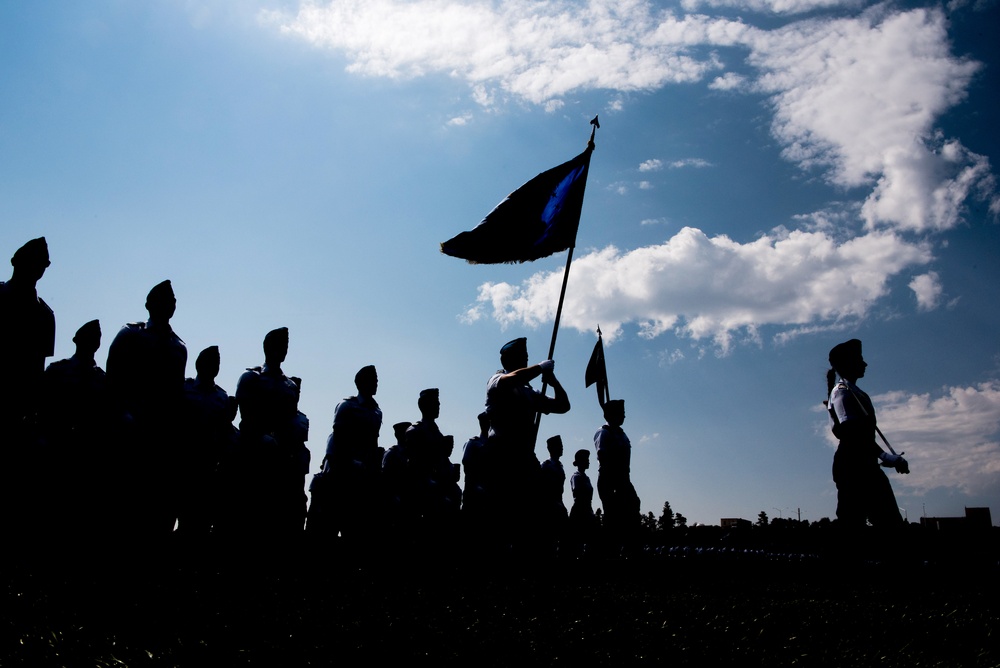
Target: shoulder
46,309
248,378
494,380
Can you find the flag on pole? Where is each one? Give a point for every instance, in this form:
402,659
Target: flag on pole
597,371
536,220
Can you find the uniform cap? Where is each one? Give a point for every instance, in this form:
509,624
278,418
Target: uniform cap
92,328
161,290
845,351
35,251
519,345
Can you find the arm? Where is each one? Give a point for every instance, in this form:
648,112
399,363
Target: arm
560,402
520,376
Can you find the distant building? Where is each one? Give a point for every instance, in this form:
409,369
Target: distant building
976,519
735,523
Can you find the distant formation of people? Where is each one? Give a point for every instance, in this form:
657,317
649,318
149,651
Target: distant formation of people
141,451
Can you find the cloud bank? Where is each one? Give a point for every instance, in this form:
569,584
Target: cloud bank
854,100
951,440
713,288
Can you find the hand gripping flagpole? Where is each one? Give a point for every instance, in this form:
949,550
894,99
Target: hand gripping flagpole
562,292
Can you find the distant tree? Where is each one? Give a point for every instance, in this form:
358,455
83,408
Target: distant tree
666,520
648,522
599,517
762,519
680,521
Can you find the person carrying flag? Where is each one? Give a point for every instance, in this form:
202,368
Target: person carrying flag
512,404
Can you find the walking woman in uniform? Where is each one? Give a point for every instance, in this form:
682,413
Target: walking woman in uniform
863,490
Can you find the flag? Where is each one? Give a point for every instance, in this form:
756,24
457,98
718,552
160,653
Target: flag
536,220
597,371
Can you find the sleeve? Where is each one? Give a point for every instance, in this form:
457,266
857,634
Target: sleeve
844,404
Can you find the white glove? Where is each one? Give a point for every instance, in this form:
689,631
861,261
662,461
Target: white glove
889,458
547,366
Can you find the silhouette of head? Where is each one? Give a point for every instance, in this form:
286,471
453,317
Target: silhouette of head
276,345
614,412
208,363
366,380
582,458
847,360
161,302
399,430
514,354
429,404
555,446
31,260
88,338
484,422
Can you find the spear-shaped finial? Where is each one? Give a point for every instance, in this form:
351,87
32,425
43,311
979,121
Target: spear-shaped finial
593,131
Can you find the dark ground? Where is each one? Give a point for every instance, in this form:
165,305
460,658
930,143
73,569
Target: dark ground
170,607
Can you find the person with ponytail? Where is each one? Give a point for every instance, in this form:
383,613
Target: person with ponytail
863,490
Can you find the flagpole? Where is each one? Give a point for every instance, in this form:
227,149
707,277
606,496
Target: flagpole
562,292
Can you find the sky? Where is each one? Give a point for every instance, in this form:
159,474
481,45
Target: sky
771,177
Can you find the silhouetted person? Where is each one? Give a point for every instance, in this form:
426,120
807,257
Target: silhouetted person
512,404
27,337
475,468
272,447
863,490
345,492
614,485
395,481
582,522
434,494
209,437
145,370
75,419
553,483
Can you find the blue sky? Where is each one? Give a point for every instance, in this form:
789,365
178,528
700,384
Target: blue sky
771,177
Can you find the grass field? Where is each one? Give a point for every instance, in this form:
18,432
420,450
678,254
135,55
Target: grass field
249,607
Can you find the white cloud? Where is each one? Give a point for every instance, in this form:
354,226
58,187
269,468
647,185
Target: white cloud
459,121
539,51
928,290
714,288
690,162
951,440
857,97
729,81
645,185
772,6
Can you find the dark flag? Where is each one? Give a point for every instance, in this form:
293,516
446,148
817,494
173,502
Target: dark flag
536,220
597,371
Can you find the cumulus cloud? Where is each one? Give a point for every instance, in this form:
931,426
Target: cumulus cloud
535,51
729,81
951,439
713,288
854,98
857,97
772,6
928,290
